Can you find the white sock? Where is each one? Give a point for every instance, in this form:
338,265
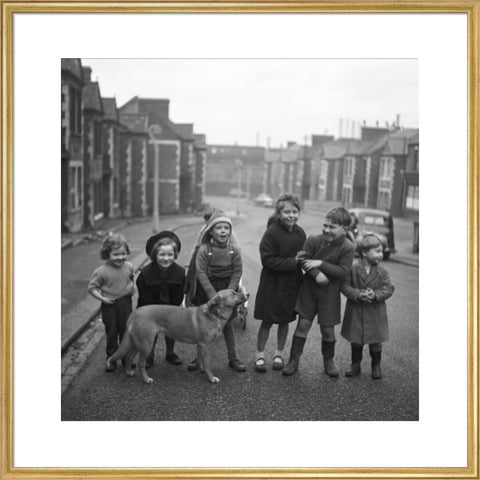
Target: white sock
278,353
259,355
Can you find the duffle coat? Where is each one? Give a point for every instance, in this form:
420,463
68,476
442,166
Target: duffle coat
281,274
366,323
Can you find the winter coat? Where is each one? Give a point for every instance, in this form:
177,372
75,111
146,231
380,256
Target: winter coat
160,287
324,301
281,275
366,323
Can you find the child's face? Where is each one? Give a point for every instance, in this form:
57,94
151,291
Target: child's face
165,256
117,256
221,232
288,215
332,231
374,256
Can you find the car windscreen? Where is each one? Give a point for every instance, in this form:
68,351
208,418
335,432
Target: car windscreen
379,221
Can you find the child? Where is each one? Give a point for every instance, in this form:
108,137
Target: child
218,265
280,278
162,282
328,260
366,288
112,284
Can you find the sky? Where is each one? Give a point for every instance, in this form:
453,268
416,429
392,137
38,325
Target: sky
269,102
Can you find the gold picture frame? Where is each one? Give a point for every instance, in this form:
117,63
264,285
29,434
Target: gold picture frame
469,7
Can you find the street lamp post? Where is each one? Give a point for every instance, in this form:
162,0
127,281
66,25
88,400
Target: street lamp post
238,166
152,130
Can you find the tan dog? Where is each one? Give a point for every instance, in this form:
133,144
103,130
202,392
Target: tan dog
195,325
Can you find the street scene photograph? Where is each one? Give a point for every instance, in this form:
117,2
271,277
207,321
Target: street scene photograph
239,239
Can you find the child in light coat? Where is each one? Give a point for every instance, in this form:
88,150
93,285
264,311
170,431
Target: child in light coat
365,319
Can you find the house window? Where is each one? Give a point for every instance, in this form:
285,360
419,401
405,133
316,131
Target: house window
75,111
348,168
98,137
387,165
75,187
415,158
412,198
383,201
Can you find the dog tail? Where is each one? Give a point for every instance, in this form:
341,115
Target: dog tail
123,349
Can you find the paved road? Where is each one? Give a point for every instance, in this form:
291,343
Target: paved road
309,395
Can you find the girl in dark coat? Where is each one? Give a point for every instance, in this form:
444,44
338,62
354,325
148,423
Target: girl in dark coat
280,278
162,282
365,319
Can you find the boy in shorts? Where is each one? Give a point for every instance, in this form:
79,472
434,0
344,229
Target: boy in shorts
327,262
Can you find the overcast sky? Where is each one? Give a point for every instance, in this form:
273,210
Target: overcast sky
245,100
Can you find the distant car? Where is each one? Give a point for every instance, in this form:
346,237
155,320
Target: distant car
264,200
374,220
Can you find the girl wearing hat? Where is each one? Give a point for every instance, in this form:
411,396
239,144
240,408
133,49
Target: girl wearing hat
218,265
162,282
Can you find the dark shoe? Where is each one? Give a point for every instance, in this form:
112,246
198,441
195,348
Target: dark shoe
237,365
296,351
292,366
376,359
330,369
376,371
111,367
174,359
260,365
149,362
354,371
193,365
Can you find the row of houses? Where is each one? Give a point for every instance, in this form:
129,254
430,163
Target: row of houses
378,170
109,154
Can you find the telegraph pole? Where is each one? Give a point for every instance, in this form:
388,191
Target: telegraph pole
152,130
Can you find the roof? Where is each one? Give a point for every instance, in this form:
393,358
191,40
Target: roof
91,97
185,130
73,66
136,123
110,109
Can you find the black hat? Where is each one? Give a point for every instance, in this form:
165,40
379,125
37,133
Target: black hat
154,239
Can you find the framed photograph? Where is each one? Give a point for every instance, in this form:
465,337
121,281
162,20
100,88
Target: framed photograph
440,37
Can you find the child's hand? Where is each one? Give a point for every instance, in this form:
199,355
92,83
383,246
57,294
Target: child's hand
309,264
370,294
300,256
322,279
363,296
108,301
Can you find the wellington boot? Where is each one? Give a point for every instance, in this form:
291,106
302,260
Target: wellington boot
295,353
355,369
376,360
328,352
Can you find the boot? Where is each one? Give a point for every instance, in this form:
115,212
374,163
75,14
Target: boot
328,352
376,360
357,351
296,351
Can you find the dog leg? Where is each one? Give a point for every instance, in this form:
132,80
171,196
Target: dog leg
128,363
205,360
141,363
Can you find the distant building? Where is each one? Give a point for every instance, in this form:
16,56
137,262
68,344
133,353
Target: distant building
133,164
111,158
72,175
92,151
225,163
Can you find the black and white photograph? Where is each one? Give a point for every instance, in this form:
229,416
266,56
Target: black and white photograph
240,239
211,213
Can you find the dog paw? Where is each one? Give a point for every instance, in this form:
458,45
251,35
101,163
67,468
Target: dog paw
148,380
214,380
131,373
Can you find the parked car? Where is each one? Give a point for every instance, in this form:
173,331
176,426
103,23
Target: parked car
264,200
374,220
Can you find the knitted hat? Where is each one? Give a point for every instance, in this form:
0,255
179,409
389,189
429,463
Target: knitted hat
217,217
154,239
